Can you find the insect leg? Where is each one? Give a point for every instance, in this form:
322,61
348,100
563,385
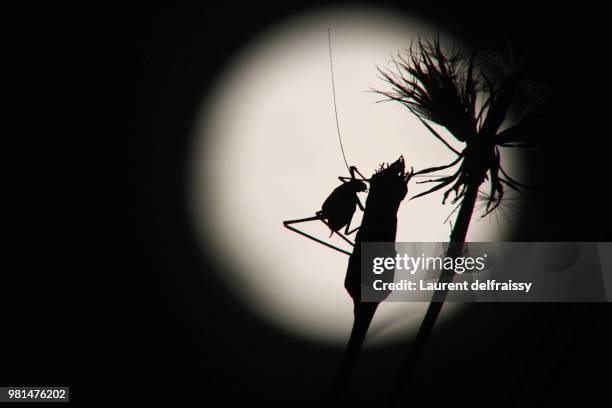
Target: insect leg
354,170
347,230
345,179
288,225
361,207
348,241
289,222
350,232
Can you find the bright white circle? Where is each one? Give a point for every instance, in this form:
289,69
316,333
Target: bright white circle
266,150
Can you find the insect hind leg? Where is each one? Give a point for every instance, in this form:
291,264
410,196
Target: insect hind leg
298,221
318,216
348,241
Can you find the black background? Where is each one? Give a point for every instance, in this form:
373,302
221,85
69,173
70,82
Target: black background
110,294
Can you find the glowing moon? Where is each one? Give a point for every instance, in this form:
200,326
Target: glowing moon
266,150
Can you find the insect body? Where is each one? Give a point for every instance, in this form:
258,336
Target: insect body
338,209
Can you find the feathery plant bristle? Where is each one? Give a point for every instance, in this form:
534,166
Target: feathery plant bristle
452,89
448,87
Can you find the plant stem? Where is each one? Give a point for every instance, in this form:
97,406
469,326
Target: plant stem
465,215
457,239
364,312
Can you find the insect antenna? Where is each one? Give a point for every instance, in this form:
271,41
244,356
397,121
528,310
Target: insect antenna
333,82
331,66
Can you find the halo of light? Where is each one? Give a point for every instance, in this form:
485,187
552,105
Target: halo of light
266,150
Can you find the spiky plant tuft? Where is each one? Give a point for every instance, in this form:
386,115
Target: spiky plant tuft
447,87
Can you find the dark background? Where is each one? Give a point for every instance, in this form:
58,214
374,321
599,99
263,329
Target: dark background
109,294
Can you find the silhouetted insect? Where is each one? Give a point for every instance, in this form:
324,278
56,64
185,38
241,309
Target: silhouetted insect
338,209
